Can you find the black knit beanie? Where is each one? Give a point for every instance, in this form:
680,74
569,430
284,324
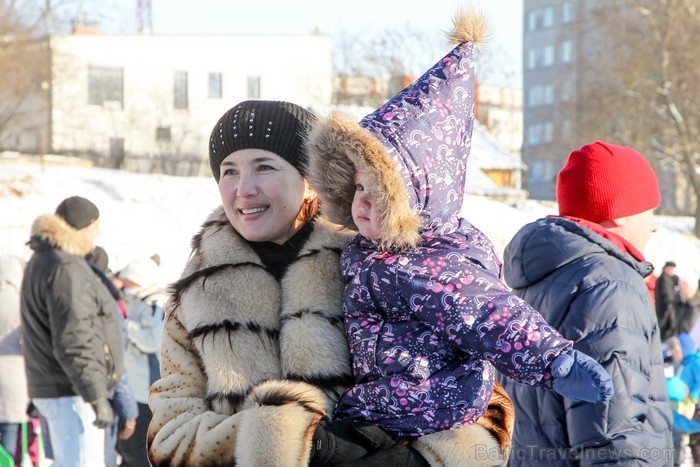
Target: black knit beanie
78,212
274,126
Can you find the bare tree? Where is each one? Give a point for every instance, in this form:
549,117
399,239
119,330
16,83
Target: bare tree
673,27
638,85
23,64
392,58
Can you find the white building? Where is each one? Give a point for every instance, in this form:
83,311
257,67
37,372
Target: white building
161,95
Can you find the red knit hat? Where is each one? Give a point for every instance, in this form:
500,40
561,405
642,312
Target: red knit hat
603,181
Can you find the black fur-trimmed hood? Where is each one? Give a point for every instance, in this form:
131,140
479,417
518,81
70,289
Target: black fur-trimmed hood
51,231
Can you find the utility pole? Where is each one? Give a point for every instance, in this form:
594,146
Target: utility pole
144,23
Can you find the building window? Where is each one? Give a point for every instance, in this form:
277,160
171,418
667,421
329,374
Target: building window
106,86
567,12
540,57
215,90
548,94
534,134
539,133
566,52
548,130
548,55
163,134
548,17
532,21
180,90
253,87
531,59
540,94
540,19
540,171
534,96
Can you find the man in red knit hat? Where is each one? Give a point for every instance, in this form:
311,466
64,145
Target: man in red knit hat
584,271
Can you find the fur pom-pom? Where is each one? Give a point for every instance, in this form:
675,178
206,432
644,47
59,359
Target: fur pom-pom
469,25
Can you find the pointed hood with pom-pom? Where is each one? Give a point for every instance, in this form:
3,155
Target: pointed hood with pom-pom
414,148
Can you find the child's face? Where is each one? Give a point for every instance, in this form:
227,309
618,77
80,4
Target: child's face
364,209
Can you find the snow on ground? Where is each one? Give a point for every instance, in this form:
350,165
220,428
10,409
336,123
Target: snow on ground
146,214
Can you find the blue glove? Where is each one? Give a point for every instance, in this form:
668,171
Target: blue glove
580,378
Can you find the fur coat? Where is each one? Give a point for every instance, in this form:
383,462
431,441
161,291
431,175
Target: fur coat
247,375
248,364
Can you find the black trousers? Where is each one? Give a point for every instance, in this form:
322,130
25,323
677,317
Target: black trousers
133,450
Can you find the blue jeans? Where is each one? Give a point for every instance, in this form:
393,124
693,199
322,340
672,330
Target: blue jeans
76,442
9,433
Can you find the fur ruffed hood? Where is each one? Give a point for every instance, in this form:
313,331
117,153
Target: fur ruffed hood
50,230
414,148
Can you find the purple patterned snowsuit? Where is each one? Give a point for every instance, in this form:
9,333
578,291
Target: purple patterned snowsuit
427,325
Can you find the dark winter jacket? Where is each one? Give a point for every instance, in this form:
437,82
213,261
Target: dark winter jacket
594,294
71,331
668,301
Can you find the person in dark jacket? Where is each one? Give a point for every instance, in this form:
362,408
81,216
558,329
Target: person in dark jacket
71,333
123,401
668,301
584,270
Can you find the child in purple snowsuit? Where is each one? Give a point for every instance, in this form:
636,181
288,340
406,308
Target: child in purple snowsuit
426,312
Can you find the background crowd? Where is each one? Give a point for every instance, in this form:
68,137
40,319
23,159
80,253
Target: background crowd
290,340
87,339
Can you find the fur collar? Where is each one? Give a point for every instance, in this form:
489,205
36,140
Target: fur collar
53,230
244,337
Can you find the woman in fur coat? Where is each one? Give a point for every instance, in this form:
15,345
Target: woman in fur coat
254,355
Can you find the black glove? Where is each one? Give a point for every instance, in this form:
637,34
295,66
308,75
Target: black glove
394,456
103,413
32,411
334,442
580,378
375,437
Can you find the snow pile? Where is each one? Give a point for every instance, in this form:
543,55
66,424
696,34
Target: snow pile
146,214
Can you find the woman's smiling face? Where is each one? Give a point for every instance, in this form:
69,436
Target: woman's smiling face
262,195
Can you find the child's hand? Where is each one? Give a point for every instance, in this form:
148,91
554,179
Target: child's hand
580,378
